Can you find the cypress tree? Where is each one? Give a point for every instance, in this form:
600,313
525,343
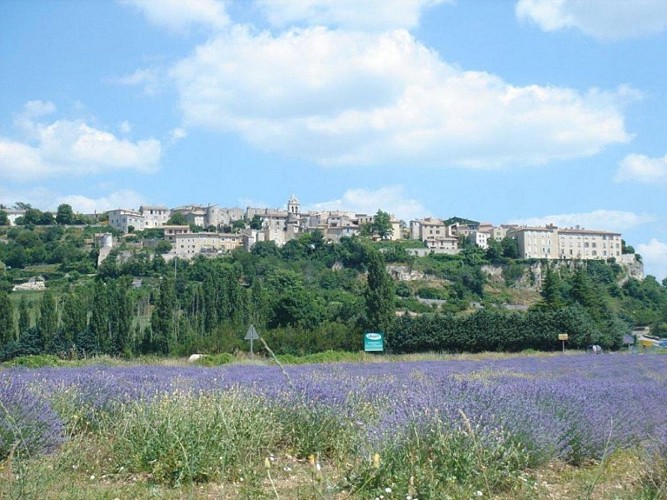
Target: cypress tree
75,317
7,330
379,293
24,315
163,317
99,319
551,292
48,317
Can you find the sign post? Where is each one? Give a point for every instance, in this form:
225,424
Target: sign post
251,335
374,342
563,337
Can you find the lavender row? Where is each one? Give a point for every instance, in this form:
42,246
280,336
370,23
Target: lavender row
567,407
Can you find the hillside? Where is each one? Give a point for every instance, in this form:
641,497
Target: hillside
304,297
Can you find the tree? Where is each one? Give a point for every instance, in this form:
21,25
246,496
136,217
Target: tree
162,247
256,222
379,293
551,290
177,219
48,316
237,225
75,317
24,315
163,317
7,330
4,219
494,252
381,225
510,248
65,214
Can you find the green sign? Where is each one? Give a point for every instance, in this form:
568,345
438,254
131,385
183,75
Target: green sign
374,342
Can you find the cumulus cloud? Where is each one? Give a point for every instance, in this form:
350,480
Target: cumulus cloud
179,15
352,98
601,19
640,168
390,199
47,199
69,147
369,14
654,256
606,220
148,78
125,198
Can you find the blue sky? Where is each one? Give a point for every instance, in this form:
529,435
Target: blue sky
530,111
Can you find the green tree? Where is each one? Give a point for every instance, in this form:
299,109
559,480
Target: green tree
163,319
24,315
162,247
4,219
551,293
177,219
65,214
510,248
7,330
494,252
379,293
48,316
75,317
98,336
256,222
381,225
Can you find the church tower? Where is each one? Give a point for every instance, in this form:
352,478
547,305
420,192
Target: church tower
293,206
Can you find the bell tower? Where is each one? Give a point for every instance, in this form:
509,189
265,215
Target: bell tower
293,206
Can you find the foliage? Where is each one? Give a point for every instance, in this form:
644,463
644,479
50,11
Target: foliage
177,219
183,438
379,294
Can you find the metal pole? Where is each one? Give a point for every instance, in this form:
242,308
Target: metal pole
252,355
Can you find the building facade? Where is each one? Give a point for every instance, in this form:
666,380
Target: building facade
155,216
126,220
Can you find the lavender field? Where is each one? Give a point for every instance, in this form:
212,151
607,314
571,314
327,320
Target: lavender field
417,429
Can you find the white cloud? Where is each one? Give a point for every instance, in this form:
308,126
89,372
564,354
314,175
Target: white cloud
125,198
369,14
180,15
390,199
606,220
125,127
601,19
148,78
46,199
70,147
351,98
177,134
654,256
640,168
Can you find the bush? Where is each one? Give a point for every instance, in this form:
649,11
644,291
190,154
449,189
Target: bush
185,438
216,359
434,461
36,361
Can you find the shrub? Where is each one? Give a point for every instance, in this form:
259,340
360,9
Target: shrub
216,359
437,461
185,438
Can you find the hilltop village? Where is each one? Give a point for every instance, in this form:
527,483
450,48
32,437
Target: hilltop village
211,230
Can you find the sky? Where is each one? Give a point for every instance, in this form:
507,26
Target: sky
501,111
